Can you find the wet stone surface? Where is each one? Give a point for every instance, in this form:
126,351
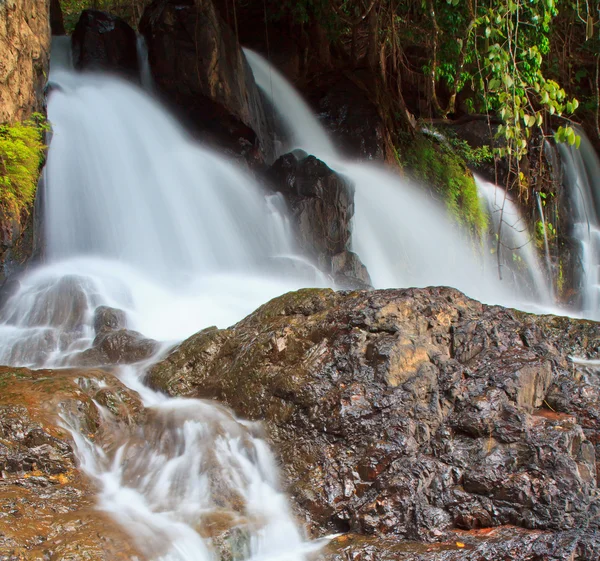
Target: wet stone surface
47,506
416,414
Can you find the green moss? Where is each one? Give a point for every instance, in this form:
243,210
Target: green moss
439,166
21,155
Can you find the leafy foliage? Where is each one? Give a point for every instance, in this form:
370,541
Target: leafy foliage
21,155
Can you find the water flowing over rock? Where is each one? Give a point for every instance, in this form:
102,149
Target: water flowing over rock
322,206
582,181
105,42
47,504
413,413
199,67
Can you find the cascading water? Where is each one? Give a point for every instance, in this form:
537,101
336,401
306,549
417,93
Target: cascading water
402,236
140,218
515,240
582,178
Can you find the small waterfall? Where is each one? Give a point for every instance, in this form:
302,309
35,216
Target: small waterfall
145,72
402,236
540,208
302,129
514,242
140,218
190,480
581,168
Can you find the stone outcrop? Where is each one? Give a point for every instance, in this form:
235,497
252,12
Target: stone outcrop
322,205
24,55
105,42
114,343
199,67
47,505
416,415
351,118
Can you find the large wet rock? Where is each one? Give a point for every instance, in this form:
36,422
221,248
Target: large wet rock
47,506
198,65
105,42
322,206
114,343
415,414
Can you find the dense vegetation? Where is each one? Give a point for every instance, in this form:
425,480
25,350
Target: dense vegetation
21,154
526,61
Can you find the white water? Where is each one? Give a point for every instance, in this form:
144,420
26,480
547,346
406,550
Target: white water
140,218
516,241
582,178
540,208
402,236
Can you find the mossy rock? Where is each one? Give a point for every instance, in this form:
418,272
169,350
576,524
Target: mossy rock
432,161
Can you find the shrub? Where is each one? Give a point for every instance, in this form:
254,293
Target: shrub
21,156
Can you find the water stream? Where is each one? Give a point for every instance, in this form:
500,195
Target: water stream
403,236
140,218
581,168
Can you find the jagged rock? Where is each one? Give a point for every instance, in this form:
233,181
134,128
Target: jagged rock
322,206
47,504
414,414
105,42
198,65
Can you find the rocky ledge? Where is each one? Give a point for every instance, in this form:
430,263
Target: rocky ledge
47,506
421,424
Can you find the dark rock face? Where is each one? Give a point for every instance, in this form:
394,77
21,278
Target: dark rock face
114,344
322,205
47,504
57,23
105,42
351,118
199,67
416,414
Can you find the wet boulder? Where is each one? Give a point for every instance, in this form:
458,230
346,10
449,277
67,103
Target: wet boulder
322,206
416,415
114,343
109,319
201,71
105,42
47,503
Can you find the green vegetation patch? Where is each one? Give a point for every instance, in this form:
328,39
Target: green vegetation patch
21,156
437,164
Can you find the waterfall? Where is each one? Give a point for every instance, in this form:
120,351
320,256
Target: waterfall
515,241
582,179
139,217
402,236
142,219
